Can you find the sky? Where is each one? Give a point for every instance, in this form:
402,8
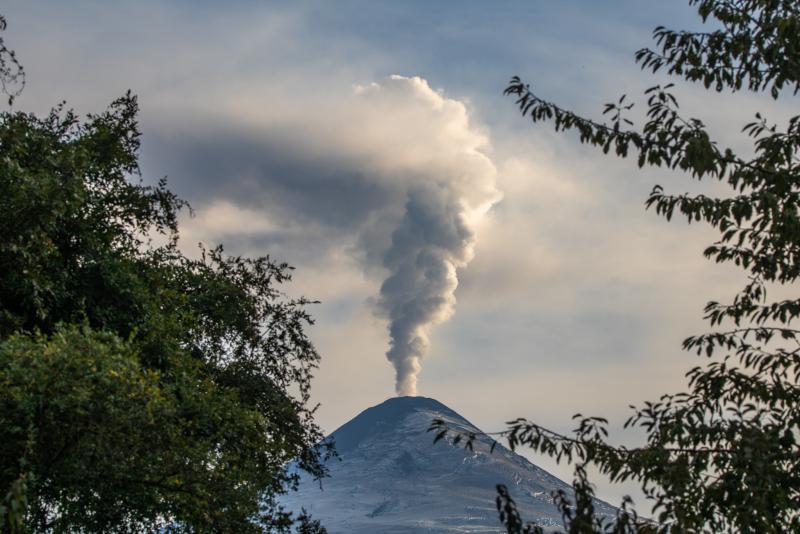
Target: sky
505,269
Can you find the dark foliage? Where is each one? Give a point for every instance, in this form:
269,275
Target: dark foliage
140,389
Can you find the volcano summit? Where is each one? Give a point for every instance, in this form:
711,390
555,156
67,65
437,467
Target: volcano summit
392,478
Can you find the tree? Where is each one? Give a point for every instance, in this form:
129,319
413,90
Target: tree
722,456
139,389
12,75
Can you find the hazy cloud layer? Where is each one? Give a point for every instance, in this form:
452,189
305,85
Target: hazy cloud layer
401,183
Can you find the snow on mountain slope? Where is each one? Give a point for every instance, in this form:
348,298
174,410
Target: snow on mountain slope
391,478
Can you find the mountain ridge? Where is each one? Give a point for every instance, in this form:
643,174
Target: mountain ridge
391,477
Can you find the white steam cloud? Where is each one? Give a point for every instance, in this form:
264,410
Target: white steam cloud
453,187
392,174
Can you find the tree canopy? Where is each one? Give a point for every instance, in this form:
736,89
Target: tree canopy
722,456
140,389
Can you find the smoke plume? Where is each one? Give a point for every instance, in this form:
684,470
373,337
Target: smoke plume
436,233
433,240
392,174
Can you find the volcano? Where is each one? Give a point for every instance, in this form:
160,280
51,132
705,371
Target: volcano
391,478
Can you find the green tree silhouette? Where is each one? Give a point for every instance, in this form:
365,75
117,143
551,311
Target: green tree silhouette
140,390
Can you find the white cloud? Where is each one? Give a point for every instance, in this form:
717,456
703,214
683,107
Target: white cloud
395,173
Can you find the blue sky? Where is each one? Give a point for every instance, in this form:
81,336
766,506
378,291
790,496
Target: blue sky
280,123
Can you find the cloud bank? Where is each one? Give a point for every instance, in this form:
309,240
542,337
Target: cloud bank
393,174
